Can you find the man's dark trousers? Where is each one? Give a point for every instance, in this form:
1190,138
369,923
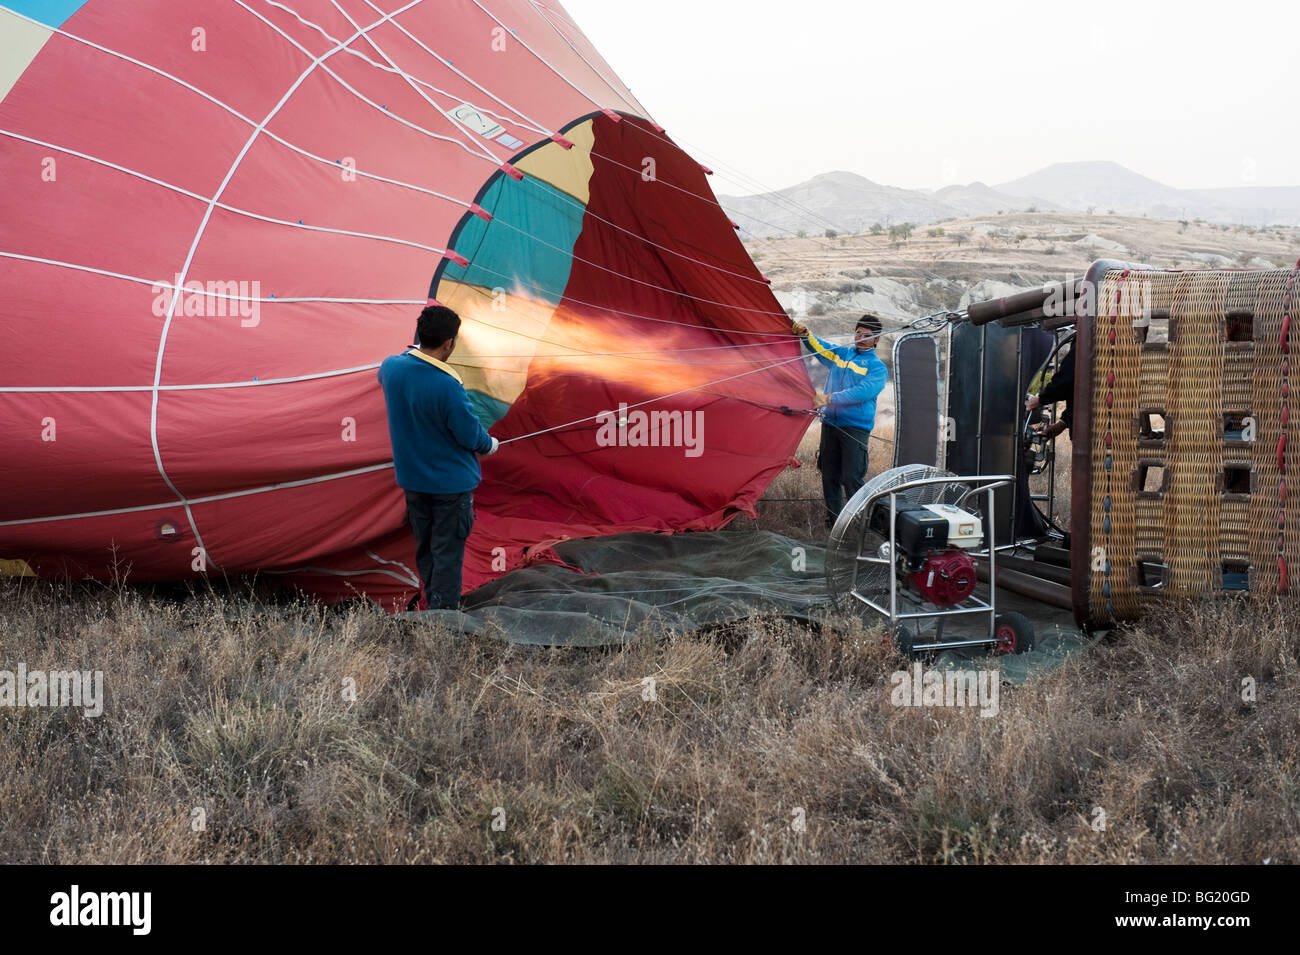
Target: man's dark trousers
441,523
843,463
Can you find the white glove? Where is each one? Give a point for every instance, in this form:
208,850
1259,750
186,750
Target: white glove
495,445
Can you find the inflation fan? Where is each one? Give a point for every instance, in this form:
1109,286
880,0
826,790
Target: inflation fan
906,545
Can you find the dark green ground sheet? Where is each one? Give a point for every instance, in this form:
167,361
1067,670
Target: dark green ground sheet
682,583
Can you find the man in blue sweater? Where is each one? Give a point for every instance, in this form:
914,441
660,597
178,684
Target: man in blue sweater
435,437
856,379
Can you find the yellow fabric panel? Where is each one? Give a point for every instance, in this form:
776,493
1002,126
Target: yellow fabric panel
15,568
20,41
569,170
498,337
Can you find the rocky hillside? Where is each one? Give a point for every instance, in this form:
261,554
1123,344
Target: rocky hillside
830,282
844,202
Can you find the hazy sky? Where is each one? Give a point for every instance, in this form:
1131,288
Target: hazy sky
924,94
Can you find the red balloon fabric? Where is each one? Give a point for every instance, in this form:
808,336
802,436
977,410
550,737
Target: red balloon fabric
219,217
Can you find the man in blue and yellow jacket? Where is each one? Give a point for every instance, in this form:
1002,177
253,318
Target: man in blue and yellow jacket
436,442
856,379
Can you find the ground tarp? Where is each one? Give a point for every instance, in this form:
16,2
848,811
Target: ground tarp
694,582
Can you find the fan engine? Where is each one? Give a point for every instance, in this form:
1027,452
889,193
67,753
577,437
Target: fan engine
931,543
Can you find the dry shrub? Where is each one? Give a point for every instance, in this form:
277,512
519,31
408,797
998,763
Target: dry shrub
763,742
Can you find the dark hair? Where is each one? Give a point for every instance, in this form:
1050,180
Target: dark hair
437,324
870,322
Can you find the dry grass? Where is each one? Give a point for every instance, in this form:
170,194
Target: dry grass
237,707
793,503
234,705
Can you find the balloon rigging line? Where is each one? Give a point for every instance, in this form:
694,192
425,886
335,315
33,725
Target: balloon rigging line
385,238
598,105
372,366
342,46
207,499
365,470
528,121
634,103
382,238
362,235
214,203
561,295
586,210
779,336
769,194
490,157
323,160
474,147
706,199
652,285
521,121
359,301
230,109
418,245
189,259
411,82
581,92
639,404
276,137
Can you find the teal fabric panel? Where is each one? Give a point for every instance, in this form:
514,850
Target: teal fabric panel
528,244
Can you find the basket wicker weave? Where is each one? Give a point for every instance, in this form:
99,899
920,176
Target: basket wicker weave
1221,384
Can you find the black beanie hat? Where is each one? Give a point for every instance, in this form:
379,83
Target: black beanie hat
871,322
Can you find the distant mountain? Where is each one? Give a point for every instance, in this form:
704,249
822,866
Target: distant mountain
1252,205
843,201
978,199
847,202
1103,186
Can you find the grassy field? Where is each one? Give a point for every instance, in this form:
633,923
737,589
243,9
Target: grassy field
230,734
239,727
249,728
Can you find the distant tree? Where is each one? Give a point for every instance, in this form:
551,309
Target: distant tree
935,233
1091,210
832,234
961,238
900,233
1032,209
877,228
801,234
